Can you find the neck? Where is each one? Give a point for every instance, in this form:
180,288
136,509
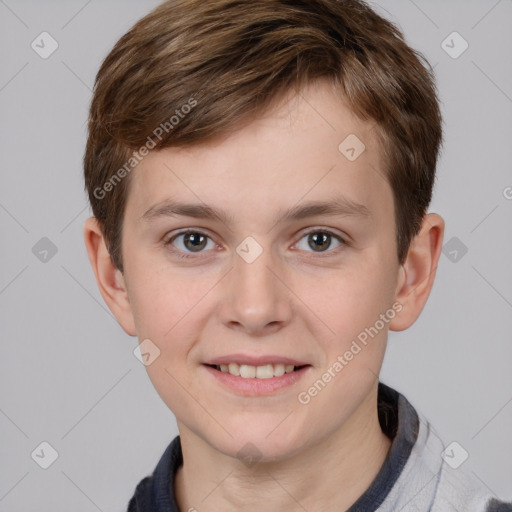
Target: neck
330,475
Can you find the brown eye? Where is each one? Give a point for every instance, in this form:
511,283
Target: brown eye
190,242
194,241
320,241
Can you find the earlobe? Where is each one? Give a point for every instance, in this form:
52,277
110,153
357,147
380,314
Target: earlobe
110,280
418,272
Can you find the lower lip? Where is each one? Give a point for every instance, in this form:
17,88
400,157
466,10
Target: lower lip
257,387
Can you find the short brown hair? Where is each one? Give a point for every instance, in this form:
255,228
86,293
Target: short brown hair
227,60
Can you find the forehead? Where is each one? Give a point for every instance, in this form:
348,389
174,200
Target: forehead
307,146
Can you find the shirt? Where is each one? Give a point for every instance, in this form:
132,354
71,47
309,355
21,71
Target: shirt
419,473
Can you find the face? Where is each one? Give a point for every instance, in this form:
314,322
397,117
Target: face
273,246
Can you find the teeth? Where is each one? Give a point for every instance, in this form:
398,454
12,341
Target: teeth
279,369
247,371
264,372
234,369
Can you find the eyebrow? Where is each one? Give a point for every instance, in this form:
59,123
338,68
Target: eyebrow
340,206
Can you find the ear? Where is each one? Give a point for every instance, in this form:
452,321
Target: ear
110,280
418,272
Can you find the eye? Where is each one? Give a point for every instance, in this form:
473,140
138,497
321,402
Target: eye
319,241
189,242
186,243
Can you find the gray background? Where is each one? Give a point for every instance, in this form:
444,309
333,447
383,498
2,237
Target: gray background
68,373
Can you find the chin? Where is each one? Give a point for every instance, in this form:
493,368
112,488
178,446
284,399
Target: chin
258,444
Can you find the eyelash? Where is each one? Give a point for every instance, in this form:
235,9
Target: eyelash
182,255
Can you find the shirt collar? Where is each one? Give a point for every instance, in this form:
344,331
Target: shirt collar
398,420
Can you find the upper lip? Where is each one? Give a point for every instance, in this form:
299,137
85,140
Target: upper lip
254,361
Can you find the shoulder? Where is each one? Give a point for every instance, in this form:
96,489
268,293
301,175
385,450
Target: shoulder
459,489
462,491
140,498
434,476
454,487
155,492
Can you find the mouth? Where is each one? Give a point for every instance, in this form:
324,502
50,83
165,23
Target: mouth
266,371
257,380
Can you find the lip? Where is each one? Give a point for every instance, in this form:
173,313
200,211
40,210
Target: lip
255,361
257,387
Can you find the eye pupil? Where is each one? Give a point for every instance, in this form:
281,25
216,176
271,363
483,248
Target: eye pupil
197,240
319,241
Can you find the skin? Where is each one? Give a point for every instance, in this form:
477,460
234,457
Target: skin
292,301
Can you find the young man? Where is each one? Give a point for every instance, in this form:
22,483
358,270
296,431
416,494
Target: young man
259,174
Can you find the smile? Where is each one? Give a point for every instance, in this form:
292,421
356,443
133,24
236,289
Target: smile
247,371
257,380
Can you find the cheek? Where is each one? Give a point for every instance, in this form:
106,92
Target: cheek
358,308
348,301
162,301
170,312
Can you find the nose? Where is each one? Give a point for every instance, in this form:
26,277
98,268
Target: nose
256,300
